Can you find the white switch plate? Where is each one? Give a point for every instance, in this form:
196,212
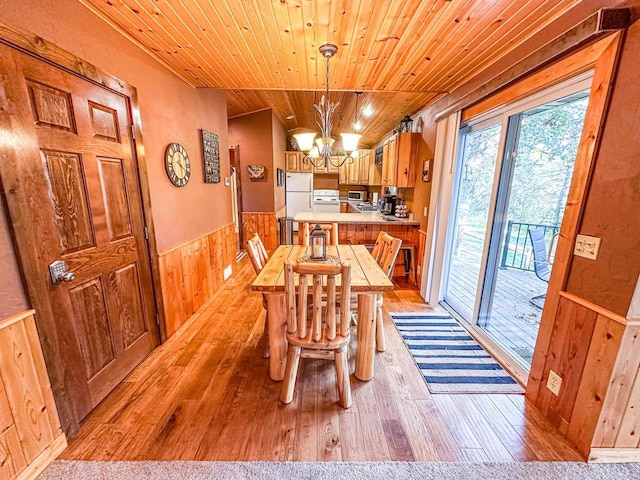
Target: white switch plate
425,211
587,247
554,382
227,181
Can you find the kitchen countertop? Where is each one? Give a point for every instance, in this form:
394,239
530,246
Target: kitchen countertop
365,217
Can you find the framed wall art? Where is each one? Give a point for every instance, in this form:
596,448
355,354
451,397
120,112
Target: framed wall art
256,172
211,156
426,170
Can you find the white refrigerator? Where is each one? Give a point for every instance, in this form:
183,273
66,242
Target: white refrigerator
299,187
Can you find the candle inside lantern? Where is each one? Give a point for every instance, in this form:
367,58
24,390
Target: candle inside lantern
318,244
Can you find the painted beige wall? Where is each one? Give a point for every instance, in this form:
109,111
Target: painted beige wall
253,132
171,111
12,296
279,147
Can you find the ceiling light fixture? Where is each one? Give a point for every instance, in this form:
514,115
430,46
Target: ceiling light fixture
320,154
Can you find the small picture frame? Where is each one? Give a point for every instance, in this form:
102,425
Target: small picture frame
426,170
256,171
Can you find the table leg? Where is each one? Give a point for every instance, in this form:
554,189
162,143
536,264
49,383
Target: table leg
277,335
366,336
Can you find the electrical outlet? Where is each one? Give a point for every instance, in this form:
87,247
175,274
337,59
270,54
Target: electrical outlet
587,247
554,382
425,211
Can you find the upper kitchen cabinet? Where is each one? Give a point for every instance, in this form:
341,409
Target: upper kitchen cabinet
361,171
400,153
329,167
294,162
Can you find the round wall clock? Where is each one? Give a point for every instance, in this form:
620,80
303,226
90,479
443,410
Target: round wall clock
176,161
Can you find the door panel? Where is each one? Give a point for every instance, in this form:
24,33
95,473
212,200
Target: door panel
116,198
73,180
68,200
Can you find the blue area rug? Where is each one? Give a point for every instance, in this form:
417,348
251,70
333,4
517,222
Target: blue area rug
450,360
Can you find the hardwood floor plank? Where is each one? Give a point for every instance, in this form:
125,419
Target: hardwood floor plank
206,395
461,431
483,431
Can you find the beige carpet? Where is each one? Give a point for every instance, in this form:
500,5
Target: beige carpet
69,470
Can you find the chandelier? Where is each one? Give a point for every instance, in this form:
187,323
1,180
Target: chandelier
318,150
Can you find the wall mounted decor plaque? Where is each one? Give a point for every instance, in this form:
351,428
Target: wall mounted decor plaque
211,156
255,171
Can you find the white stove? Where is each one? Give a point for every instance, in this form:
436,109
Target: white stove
326,201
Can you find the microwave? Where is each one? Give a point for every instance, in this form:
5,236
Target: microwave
356,195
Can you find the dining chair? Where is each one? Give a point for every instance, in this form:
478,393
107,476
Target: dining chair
316,321
385,252
330,230
259,257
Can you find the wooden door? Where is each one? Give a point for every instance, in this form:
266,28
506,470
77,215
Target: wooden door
234,160
71,182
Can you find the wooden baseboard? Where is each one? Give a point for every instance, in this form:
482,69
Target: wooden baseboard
42,461
614,455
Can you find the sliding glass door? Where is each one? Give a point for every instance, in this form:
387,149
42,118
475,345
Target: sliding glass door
475,170
511,183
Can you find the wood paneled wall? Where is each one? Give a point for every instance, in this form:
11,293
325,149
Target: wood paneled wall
366,233
30,433
597,407
193,272
262,223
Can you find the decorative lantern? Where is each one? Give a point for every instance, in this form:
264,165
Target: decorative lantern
318,242
406,124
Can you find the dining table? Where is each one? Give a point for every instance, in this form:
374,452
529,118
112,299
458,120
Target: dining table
367,281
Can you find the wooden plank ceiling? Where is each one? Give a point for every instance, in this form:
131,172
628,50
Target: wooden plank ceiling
404,54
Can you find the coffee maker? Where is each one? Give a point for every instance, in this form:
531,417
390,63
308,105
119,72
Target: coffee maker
388,204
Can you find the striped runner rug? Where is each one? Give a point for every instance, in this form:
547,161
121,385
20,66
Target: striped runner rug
450,360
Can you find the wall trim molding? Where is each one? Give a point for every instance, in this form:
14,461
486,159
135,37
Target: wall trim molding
17,318
614,455
595,308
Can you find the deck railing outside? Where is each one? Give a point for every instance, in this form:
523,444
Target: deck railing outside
516,252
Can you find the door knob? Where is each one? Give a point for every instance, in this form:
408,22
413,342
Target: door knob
58,272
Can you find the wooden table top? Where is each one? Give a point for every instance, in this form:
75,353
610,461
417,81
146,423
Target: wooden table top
366,274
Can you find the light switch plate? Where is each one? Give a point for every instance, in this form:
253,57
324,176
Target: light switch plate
425,211
227,181
587,247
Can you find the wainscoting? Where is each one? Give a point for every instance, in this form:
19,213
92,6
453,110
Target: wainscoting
193,272
30,433
596,353
262,223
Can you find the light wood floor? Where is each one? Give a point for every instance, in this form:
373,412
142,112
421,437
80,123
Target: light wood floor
206,395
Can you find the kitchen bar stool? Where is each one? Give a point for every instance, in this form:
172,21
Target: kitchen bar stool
330,230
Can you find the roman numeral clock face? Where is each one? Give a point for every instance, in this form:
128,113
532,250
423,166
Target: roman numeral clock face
177,164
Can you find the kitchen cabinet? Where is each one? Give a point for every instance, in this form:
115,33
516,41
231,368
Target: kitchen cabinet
294,163
362,171
363,167
329,167
399,157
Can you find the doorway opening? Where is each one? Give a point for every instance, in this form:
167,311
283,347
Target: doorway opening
510,188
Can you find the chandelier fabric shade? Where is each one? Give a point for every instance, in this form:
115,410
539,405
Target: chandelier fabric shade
318,150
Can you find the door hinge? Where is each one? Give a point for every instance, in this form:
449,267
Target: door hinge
146,233
133,132
157,320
